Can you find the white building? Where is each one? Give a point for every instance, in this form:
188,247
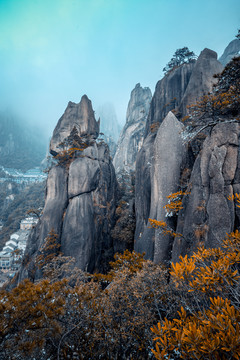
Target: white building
6,259
28,223
10,245
14,236
14,248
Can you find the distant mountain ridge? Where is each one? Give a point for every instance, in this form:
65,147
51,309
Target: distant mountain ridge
21,146
232,50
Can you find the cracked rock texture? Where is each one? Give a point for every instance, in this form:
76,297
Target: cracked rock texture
208,214
80,199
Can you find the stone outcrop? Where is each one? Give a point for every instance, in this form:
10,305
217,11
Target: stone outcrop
201,80
131,137
80,198
168,153
232,50
208,213
80,116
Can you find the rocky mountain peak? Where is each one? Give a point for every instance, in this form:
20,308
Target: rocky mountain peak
208,53
80,200
139,99
131,137
233,49
79,115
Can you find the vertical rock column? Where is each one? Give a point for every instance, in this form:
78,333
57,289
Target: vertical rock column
80,197
168,153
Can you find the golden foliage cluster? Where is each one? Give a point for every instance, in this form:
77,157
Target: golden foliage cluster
207,326
175,203
89,317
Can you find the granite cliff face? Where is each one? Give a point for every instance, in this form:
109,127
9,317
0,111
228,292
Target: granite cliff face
168,94
164,157
80,197
207,213
131,137
162,173
182,87
201,80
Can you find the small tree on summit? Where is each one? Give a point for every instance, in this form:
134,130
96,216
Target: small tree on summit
181,56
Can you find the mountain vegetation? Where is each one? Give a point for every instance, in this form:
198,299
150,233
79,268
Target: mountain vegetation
188,311
181,56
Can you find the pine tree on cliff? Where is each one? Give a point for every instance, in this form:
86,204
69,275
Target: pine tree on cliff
181,56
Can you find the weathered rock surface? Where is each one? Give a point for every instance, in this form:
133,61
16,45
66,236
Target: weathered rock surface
208,214
80,200
89,215
168,153
80,116
201,80
168,94
144,235
232,50
182,87
131,137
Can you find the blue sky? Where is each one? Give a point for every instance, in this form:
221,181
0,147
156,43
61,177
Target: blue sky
53,51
